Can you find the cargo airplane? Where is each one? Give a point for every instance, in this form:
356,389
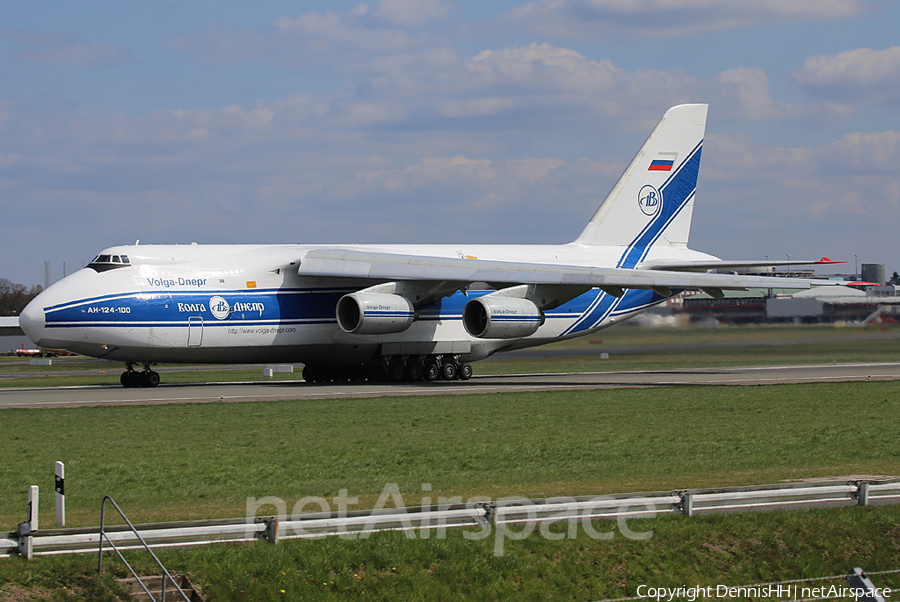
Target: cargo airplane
398,312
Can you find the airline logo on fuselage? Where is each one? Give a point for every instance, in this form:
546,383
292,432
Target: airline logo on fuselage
221,309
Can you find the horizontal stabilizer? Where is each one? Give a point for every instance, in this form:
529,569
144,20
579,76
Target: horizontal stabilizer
703,266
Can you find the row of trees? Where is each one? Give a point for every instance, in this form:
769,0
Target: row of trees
14,297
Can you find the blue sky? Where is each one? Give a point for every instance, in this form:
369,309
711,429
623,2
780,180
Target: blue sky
439,121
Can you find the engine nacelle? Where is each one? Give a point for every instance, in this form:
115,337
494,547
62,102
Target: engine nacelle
374,313
497,317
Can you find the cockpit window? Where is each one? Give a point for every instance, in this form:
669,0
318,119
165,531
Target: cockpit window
103,263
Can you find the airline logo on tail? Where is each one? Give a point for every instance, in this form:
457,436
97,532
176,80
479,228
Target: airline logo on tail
663,162
649,200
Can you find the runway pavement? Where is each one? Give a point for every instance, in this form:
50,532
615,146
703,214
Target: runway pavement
271,391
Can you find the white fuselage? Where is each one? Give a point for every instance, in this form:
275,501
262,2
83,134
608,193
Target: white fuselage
247,303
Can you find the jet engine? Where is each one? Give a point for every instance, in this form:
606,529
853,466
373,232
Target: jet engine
374,313
498,317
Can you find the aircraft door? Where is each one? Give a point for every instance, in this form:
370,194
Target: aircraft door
195,331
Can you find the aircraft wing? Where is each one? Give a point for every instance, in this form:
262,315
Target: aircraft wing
347,263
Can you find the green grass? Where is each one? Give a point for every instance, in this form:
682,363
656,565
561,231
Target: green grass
91,372
630,333
183,376
706,347
187,461
21,364
171,462
716,550
708,550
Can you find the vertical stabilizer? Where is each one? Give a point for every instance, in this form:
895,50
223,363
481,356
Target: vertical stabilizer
653,201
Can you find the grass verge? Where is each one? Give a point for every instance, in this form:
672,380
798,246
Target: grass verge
195,461
189,461
706,551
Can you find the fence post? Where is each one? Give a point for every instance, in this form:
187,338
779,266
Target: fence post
24,530
60,494
862,494
271,532
23,535
33,507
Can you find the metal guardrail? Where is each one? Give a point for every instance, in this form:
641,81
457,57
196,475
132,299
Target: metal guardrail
501,512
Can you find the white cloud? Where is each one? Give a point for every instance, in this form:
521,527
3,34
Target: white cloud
667,18
412,140
864,154
411,13
324,32
754,199
496,179
750,91
548,66
344,40
543,75
784,188
863,75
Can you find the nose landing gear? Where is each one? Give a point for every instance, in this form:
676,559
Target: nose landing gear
132,379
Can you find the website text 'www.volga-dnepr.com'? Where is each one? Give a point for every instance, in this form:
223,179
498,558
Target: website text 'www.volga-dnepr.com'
776,591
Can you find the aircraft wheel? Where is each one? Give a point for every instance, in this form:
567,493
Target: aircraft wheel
414,372
309,374
432,371
396,372
465,371
128,379
150,378
448,372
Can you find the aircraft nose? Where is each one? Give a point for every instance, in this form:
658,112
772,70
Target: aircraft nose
31,320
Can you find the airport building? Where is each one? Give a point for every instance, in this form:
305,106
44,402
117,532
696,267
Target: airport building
864,300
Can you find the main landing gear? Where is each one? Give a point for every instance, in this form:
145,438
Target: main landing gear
133,379
397,368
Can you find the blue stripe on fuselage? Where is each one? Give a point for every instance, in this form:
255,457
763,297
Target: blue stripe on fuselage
171,308
288,307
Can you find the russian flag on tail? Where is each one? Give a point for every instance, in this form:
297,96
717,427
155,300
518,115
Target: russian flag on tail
663,162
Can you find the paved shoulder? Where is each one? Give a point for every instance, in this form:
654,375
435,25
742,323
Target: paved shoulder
231,392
